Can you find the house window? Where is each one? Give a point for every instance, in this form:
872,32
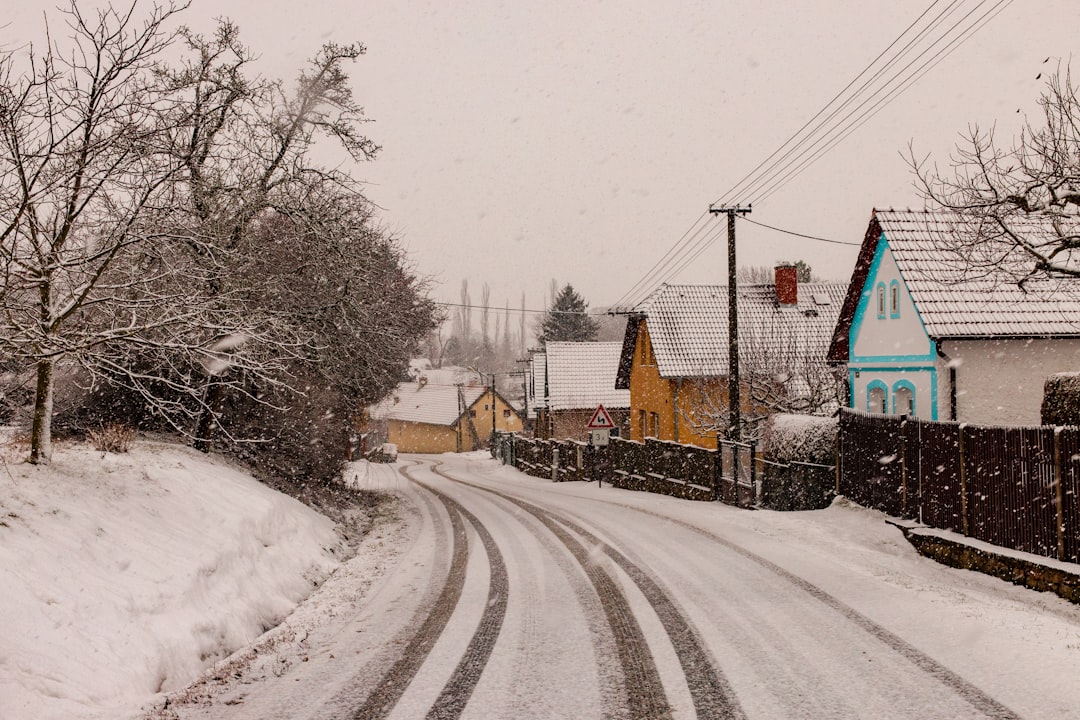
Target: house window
472,413
894,299
881,300
904,398
877,397
641,423
655,418
506,414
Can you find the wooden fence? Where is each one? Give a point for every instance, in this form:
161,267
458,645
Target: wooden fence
658,466
1012,487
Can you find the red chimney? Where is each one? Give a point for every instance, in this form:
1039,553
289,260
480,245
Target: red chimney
787,285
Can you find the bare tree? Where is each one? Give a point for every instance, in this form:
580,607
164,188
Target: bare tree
244,145
135,200
779,374
1017,207
83,186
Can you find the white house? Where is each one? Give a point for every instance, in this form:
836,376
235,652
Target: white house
922,335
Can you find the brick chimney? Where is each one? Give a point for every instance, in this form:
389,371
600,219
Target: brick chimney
787,285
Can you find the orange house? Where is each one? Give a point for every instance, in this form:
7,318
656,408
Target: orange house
675,357
422,417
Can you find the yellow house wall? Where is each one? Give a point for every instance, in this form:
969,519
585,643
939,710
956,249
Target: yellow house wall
652,393
413,437
483,418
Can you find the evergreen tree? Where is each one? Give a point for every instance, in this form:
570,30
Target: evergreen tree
566,319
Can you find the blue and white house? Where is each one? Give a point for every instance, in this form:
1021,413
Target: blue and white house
924,335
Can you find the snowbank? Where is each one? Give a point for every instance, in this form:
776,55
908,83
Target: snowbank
124,576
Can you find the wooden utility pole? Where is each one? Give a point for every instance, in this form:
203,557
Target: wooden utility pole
734,406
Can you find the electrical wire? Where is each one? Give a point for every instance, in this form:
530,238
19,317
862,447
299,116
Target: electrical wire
780,170
792,232
778,166
790,173
738,185
592,313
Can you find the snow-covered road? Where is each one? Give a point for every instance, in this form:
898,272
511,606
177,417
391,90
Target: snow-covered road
512,597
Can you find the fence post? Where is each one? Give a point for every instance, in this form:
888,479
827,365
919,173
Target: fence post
963,485
903,467
754,484
1059,494
839,450
554,464
718,468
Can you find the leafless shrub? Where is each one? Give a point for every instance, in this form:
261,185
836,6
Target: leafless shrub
112,437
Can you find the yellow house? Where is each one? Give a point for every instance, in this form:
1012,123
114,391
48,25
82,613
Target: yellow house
422,417
675,357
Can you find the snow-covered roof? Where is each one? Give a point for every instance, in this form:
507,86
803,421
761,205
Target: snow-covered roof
581,375
963,292
688,326
426,403
957,300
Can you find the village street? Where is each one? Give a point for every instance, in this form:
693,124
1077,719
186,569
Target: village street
513,597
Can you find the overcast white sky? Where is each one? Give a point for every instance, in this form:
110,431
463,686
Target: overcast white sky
524,141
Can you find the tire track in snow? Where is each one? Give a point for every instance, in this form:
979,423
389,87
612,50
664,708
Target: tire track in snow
390,689
645,695
969,692
455,695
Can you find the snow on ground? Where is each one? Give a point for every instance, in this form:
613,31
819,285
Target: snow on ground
124,576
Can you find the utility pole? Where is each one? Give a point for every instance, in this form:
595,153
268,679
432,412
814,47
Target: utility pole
734,412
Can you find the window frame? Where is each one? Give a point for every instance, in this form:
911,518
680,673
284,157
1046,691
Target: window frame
880,292
903,386
894,299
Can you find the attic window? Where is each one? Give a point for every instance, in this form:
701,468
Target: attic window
881,300
894,299
822,299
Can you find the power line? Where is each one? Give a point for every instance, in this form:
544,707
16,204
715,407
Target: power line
836,97
791,232
659,266
830,130
839,135
827,123
519,310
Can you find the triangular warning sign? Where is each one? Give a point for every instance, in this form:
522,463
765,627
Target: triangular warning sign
601,420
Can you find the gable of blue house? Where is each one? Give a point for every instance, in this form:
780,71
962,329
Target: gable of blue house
892,362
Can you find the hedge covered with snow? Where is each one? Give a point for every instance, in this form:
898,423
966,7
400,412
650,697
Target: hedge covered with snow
1061,399
800,457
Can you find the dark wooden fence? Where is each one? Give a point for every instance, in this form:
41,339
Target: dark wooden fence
1012,487
656,466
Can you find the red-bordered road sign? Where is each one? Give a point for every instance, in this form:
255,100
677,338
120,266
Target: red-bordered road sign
601,420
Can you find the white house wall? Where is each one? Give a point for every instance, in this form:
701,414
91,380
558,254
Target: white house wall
891,349
894,335
1000,382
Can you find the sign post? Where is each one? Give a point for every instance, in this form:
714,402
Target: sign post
600,427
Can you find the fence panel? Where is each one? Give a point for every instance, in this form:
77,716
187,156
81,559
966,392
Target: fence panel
935,489
1010,484
870,466
1069,453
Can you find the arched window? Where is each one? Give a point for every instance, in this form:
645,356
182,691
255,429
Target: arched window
904,398
881,300
894,299
877,397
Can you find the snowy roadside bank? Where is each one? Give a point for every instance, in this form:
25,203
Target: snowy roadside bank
125,576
